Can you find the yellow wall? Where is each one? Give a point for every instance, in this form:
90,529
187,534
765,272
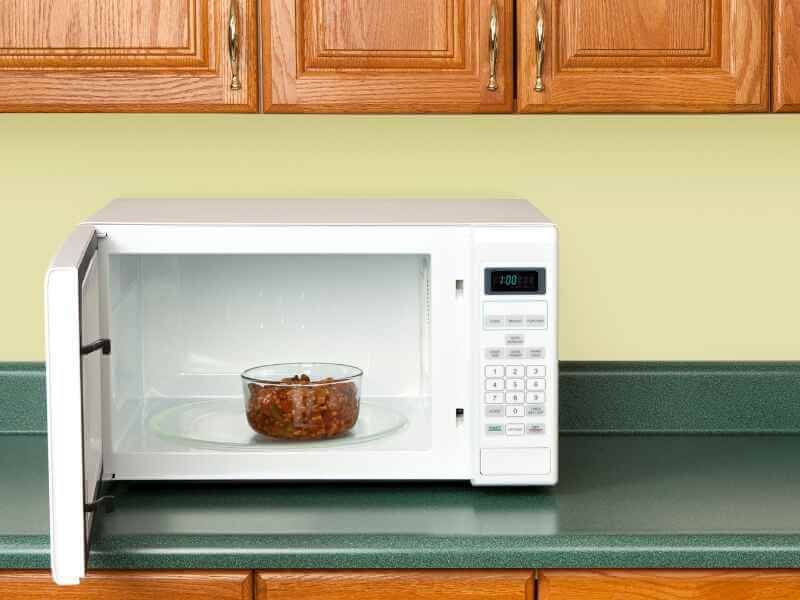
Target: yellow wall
680,236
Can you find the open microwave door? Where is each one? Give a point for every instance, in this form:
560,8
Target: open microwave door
75,363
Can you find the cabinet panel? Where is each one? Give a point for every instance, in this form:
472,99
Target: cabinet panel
643,55
678,584
385,55
131,585
786,56
137,55
397,584
36,25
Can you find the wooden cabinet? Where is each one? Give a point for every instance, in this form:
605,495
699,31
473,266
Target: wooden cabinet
398,584
400,56
126,55
786,56
404,584
690,584
387,55
131,585
643,55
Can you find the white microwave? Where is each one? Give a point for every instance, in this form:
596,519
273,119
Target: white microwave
155,307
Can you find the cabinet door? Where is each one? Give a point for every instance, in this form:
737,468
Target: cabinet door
127,55
395,584
131,585
387,56
689,584
643,55
786,57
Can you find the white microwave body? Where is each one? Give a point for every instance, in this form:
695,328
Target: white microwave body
155,307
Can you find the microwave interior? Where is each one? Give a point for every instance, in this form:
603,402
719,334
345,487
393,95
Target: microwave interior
184,327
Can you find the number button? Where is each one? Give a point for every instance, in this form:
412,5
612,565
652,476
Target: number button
494,371
515,371
495,384
494,397
537,383
514,397
534,397
515,384
514,411
535,371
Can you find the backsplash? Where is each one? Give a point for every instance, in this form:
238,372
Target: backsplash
660,217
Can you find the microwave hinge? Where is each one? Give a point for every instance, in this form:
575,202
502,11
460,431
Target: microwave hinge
103,344
106,502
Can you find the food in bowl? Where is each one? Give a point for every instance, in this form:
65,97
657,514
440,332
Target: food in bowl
302,401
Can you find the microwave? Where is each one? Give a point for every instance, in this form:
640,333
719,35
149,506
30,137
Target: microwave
154,308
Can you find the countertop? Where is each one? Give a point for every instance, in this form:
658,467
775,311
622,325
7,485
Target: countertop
623,501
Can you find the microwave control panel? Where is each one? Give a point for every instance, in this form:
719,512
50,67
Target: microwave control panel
517,375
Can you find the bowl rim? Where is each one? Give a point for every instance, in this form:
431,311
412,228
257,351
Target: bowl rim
357,372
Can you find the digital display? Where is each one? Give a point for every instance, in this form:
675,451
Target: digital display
515,281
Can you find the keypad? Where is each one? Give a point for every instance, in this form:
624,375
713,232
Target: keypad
515,378
514,393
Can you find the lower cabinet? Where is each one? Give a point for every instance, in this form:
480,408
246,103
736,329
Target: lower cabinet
393,584
131,585
671,584
404,584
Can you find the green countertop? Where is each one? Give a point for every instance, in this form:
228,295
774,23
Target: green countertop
623,501
24,519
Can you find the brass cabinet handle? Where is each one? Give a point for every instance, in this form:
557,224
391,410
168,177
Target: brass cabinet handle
493,47
234,39
540,46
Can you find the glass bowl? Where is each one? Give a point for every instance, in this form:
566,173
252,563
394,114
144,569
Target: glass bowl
302,401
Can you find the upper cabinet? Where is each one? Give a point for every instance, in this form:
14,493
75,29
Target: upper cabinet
400,56
643,55
387,55
786,56
126,55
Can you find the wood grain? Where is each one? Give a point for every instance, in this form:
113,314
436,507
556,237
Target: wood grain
678,584
646,56
624,25
45,24
786,56
388,47
131,585
371,25
126,55
386,56
395,584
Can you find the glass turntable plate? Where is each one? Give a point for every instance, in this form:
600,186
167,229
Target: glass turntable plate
221,423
